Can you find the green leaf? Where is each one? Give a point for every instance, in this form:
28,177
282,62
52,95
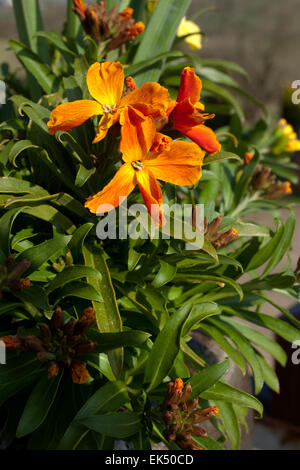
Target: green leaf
219,157
223,391
37,255
72,273
106,399
242,186
219,338
38,404
280,327
246,229
77,289
208,443
245,348
6,222
199,312
145,64
12,185
221,92
110,341
78,238
29,20
107,312
118,425
259,339
267,250
35,65
164,275
284,245
269,374
165,348
57,40
231,423
166,19
207,377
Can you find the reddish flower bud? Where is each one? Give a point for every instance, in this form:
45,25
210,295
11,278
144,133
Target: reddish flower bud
79,372
130,84
69,327
45,331
12,343
85,347
57,320
45,356
198,416
53,369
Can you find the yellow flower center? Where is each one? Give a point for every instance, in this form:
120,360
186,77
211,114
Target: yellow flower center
137,165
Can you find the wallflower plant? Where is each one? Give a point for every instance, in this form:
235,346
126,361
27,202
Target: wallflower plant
109,110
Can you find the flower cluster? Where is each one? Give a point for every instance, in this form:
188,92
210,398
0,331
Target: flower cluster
109,27
11,275
143,113
59,344
182,417
218,239
286,139
265,181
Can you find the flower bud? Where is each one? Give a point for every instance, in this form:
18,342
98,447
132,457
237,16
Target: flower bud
32,344
69,327
45,356
53,369
79,372
213,228
85,347
57,320
45,332
198,416
12,343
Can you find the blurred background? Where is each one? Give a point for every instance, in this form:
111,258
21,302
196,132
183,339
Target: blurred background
264,38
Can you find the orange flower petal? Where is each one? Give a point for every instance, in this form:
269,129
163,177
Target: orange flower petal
152,195
180,165
190,86
161,142
105,82
104,125
137,132
204,137
151,99
69,115
113,194
185,115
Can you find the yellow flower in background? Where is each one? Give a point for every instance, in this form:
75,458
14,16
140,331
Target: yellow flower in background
189,27
288,140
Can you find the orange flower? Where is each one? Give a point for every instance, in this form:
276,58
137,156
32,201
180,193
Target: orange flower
106,85
248,157
80,7
135,30
179,164
126,13
184,113
178,384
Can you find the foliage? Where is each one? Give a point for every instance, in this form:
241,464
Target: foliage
148,295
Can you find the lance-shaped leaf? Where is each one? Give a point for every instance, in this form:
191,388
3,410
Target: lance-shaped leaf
107,312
